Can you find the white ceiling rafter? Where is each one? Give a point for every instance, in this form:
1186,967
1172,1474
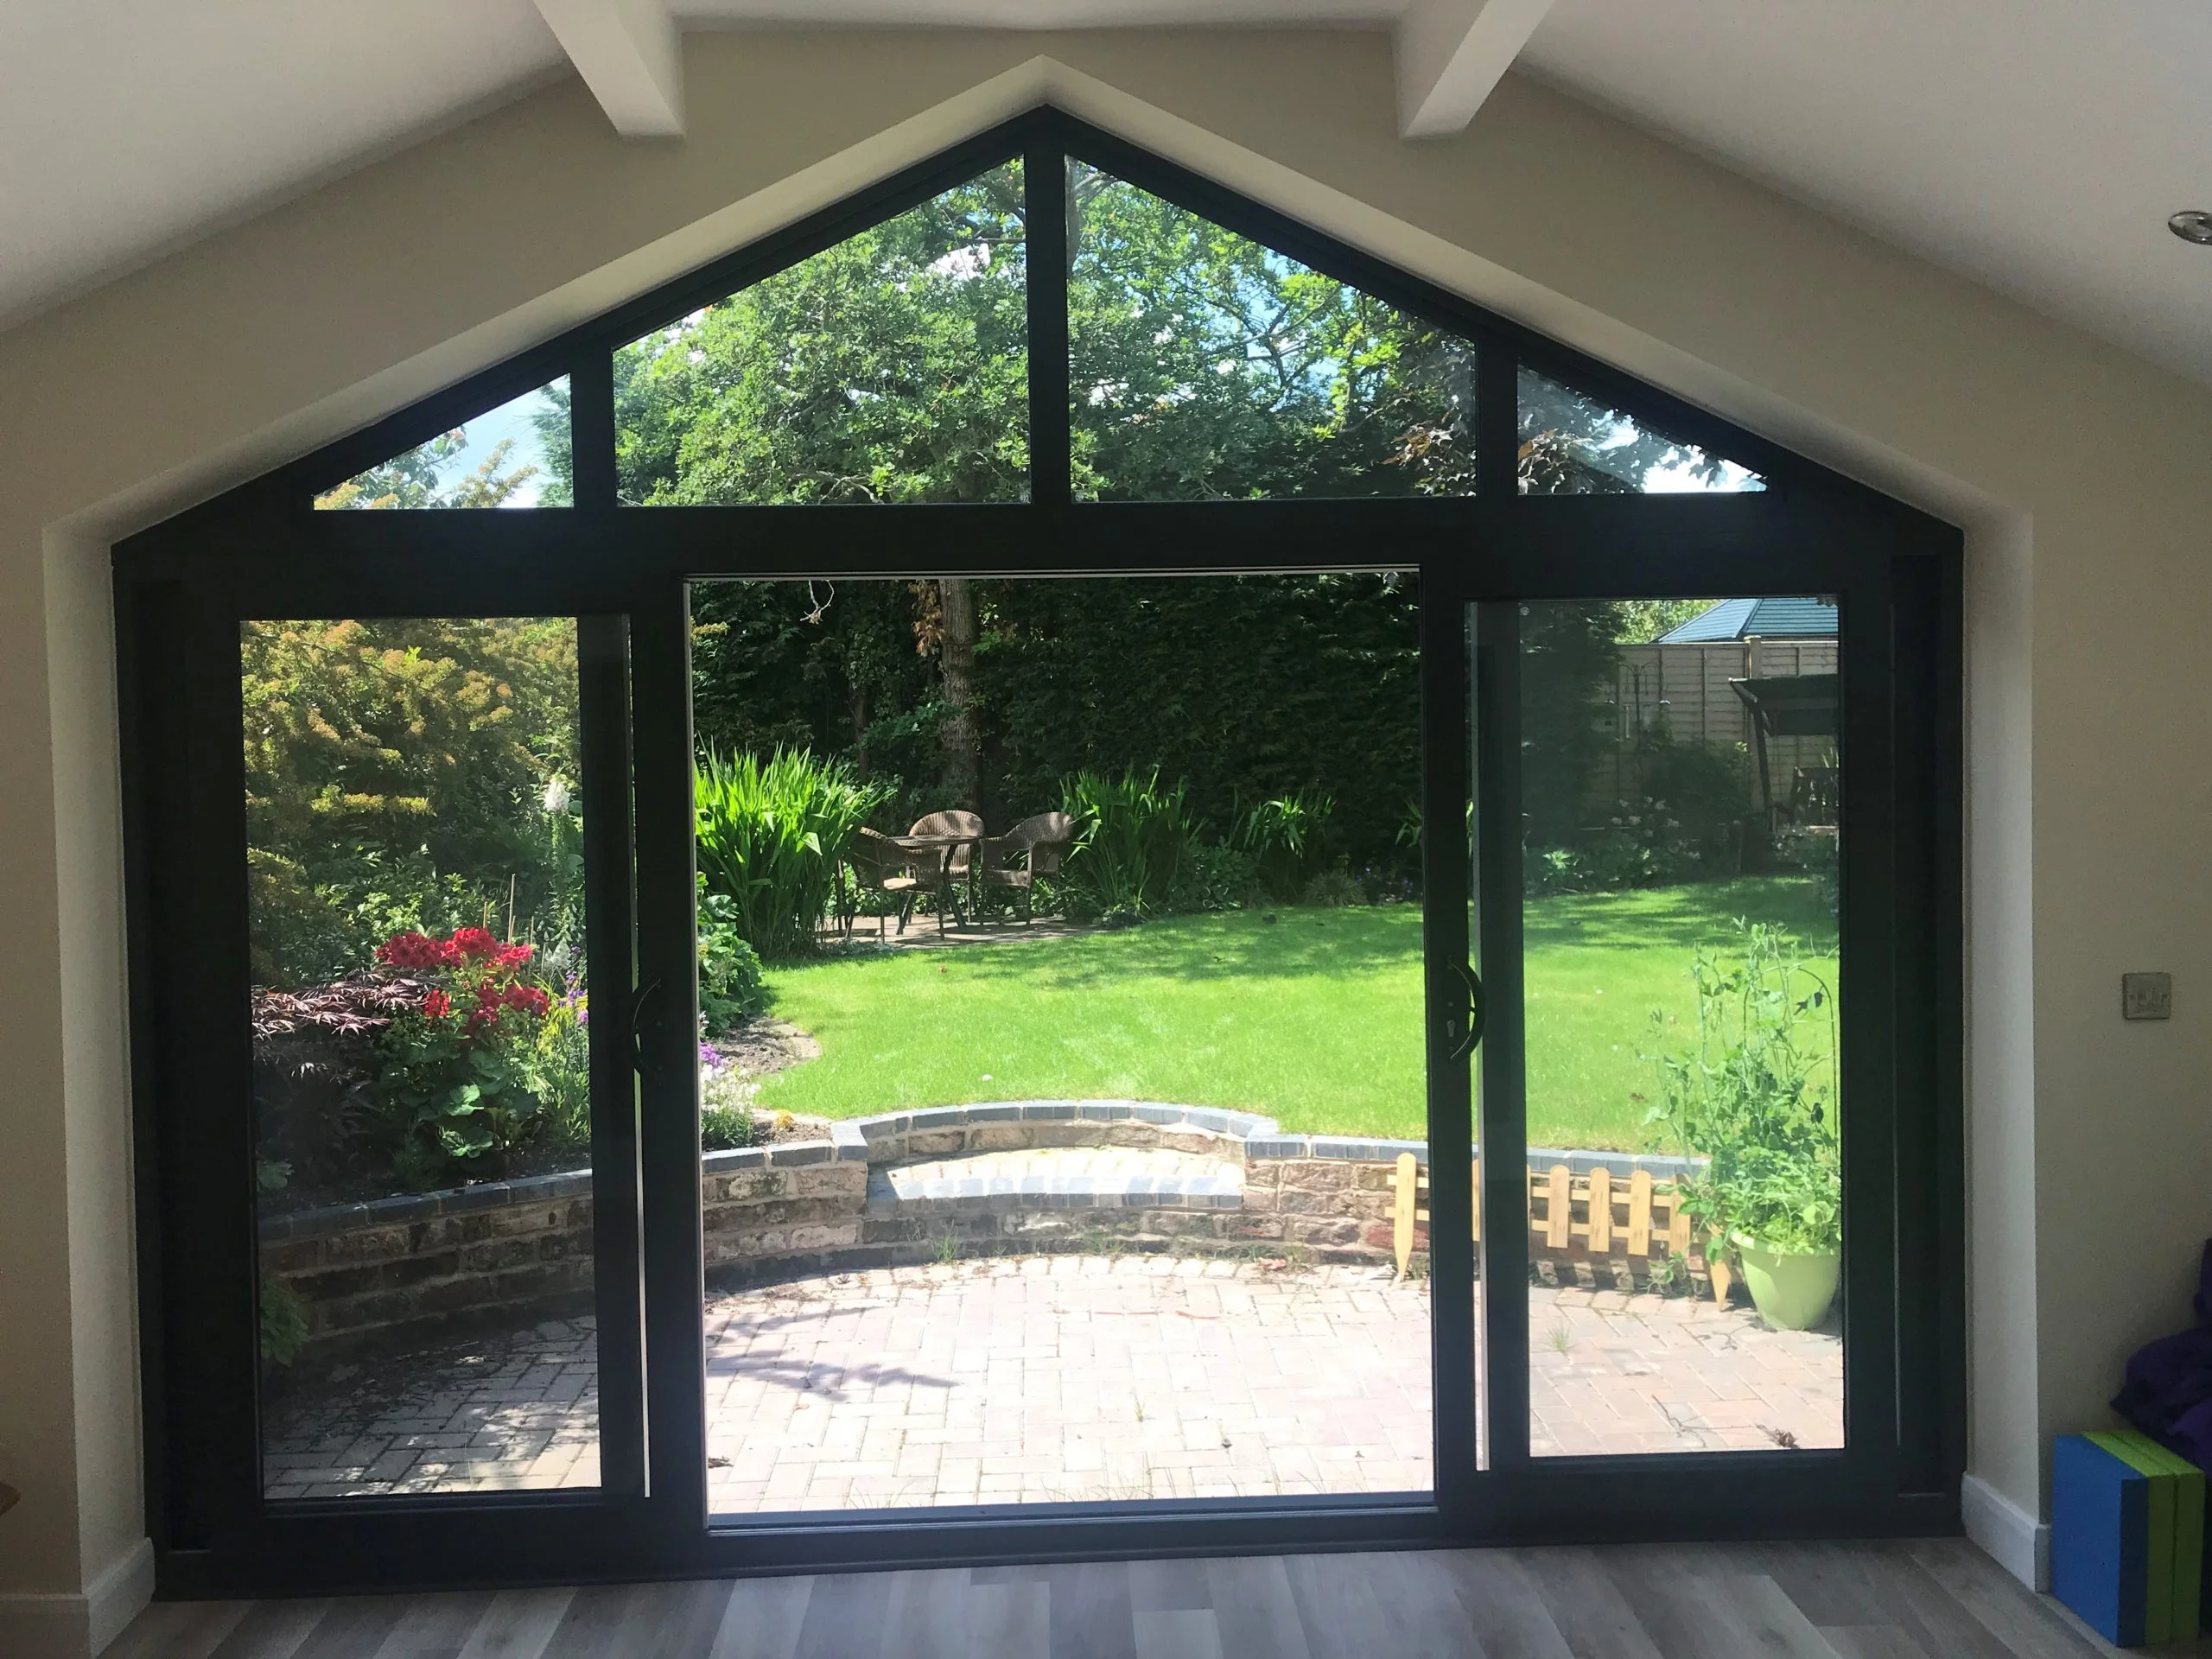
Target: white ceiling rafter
1452,52
631,55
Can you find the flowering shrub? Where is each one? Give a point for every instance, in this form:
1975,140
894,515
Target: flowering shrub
442,1064
725,1101
469,948
465,1071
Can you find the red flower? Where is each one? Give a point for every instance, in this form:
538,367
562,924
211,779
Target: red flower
526,999
512,955
415,950
436,1004
487,1000
474,944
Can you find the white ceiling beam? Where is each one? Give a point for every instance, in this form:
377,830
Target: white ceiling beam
1451,53
630,55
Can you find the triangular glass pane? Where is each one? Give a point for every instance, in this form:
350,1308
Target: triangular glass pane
1572,444
516,455
1206,367
893,367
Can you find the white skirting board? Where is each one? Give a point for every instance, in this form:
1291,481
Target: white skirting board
77,1624
2008,1534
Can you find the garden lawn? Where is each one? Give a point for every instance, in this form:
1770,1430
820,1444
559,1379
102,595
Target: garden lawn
1312,1017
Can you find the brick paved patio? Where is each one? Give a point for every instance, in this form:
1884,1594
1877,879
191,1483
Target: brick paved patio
1613,1372
1065,1378
508,1413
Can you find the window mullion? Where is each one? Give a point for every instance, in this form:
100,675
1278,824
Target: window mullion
1044,188
1497,426
591,425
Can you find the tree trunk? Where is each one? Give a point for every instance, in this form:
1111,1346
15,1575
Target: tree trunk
956,606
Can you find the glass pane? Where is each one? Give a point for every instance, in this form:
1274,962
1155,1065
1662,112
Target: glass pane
420,1042
1206,367
893,367
1063,997
516,455
1572,444
1681,804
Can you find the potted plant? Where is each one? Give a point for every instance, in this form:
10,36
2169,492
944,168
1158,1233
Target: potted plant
1755,1098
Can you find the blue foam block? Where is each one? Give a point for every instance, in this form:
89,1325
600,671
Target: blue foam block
2100,1538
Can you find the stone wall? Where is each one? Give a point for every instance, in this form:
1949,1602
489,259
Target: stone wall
428,1260
778,1202
410,1268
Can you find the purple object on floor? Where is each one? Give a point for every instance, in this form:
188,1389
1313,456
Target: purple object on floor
2168,1393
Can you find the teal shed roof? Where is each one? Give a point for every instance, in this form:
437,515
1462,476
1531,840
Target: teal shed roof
1768,618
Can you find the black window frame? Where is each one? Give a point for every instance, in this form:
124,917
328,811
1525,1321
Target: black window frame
262,550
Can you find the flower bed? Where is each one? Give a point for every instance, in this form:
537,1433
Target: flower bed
446,1062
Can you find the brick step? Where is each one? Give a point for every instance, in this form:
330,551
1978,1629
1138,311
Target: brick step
1058,1178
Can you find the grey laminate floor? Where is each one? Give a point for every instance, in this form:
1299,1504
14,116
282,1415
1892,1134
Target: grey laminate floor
1832,1601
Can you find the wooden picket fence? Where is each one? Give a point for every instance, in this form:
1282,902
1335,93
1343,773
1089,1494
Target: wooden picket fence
1601,1217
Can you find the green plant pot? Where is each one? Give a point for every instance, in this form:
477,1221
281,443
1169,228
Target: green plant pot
1791,1291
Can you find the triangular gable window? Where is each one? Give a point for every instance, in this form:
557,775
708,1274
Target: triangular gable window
1572,444
891,367
1204,367
894,367
516,455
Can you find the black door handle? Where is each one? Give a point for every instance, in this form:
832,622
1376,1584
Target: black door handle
645,1027
1478,1011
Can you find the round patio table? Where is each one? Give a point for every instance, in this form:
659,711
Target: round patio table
946,843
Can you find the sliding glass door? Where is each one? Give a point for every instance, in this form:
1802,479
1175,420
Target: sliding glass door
1677,1020
1060,1043
420,1304
1684,814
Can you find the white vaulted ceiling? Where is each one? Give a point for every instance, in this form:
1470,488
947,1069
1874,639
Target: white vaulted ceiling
128,126
2036,145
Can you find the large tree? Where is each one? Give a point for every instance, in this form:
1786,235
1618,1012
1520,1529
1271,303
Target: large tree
1208,368
890,367
403,772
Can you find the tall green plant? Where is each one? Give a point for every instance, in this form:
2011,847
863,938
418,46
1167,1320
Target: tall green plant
1758,1099
1134,838
770,835
1284,838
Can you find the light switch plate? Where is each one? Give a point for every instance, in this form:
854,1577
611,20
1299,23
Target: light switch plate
2146,996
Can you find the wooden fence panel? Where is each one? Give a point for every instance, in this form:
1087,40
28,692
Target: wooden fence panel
1639,1213
1685,690
1600,1213
1599,1218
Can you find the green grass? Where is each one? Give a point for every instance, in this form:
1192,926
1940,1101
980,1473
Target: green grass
1598,964
1314,1018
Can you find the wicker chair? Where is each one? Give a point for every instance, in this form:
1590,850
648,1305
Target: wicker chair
1032,848
878,864
951,823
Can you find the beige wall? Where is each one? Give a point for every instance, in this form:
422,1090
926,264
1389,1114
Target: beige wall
2081,473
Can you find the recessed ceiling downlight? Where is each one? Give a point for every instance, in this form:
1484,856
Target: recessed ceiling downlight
2192,225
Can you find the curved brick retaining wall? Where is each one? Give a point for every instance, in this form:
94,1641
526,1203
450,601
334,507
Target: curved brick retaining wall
413,1265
